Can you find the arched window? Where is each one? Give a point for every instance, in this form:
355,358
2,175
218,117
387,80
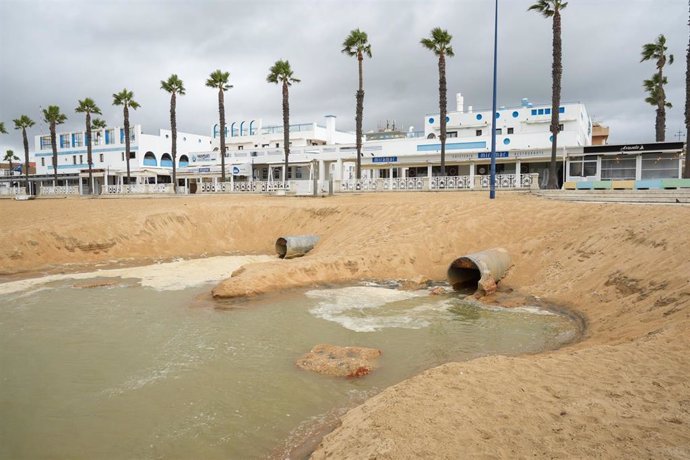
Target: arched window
150,159
166,160
431,136
184,161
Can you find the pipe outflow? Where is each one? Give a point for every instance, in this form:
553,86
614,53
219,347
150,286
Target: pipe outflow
288,247
480,271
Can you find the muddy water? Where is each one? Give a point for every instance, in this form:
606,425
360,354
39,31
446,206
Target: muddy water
132,370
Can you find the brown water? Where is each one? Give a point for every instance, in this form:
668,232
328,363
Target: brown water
133,371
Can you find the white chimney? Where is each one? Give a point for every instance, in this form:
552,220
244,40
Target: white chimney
460,102
330,129
469,109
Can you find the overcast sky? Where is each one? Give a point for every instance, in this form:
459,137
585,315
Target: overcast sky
56,52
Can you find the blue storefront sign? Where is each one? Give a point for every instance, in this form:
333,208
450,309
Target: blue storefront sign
384,160
204,170
488,155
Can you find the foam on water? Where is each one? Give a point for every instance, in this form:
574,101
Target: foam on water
371,308
178,275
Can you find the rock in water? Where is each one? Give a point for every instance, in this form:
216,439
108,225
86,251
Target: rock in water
418,282
340,361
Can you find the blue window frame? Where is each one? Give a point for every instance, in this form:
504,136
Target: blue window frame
479,116
534,111
516,114
498,115
540,111
561,110
547,111
431,121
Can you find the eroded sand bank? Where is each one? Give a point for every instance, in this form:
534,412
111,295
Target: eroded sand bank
621,392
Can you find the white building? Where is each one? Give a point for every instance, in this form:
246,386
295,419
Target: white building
243,135
150,158
523,147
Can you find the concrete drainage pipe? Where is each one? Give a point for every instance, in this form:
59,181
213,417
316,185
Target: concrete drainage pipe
479,271
289,247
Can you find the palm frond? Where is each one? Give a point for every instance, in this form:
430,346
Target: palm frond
23,122
219,79
88,106
125,97
439,42
52,114
173,85
281,72
357,42
97,123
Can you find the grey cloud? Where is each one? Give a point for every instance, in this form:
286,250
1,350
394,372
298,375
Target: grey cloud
56,52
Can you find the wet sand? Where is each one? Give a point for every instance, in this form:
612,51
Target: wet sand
622,391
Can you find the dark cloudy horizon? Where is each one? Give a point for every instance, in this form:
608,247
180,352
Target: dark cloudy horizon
55,52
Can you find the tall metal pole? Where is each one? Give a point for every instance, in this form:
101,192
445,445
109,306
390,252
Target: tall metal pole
492,192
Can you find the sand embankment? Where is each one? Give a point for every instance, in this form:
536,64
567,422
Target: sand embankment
621,392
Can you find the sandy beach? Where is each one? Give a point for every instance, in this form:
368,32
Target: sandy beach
623,391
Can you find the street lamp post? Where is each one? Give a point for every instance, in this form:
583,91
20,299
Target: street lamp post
492,190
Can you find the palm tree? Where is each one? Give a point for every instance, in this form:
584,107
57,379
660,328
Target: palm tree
281,73
88,106
54,117
657,51
219,79
2,128
552,9
357,44
24,122
98,124
10,157
655,88
174,86
686,171
439,43
125,98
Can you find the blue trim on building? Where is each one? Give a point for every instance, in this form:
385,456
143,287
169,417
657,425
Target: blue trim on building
80,166
72,152
452,146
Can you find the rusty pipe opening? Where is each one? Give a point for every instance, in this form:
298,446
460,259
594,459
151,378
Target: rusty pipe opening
463,274
288,247
480,271
281,247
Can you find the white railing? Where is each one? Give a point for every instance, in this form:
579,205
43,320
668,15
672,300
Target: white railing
12,191
413,184
137,189
58,190
246,187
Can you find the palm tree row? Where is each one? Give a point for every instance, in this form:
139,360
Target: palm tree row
357,45
656,51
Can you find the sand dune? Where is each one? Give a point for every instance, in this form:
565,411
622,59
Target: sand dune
622,391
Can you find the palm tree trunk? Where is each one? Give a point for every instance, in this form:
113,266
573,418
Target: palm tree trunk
173,128
661,110
556,73
358,117
221,109
686,171
443,103
53,145
286,128
125,111
26,160
89,158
